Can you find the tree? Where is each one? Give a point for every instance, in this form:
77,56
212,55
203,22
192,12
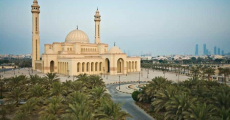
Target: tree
112,111
163,96
135,96
178,106
16,95
195,71
200,112
210,71
54,108
225,72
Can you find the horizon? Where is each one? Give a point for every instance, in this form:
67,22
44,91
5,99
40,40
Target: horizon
159,27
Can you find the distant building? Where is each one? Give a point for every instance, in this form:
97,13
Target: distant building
218,51
196,52
215,50
206,52
204,49
222,52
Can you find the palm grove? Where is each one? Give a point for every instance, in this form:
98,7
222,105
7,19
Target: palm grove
46,98
198,98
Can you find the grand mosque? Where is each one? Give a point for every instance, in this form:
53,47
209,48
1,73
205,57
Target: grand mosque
76,55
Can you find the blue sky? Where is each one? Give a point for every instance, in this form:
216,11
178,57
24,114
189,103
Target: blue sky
161,27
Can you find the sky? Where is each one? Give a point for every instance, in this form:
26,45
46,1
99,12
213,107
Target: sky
159,27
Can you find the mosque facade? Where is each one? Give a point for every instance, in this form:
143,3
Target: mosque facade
77,55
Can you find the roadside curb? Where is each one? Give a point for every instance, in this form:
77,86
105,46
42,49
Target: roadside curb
126,82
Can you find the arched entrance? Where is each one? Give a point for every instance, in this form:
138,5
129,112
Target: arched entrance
51,66
120,65
107,65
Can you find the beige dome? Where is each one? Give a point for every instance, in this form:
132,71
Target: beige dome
77,36
115,49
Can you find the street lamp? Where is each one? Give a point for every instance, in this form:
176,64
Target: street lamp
222,78
1,85
68,73
119,82
141,73
104,71
139,77
147,75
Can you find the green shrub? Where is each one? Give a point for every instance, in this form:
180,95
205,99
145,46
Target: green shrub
134,96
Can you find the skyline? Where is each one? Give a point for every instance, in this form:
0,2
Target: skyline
159,27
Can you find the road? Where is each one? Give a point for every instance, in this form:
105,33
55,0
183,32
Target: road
129,105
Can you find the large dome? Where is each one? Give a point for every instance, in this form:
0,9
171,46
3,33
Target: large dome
115,49
77,36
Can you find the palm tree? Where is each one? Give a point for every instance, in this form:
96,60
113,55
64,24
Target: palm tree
16,95
77,111
29,107
195,71
200,112
98,93
178,106
38,92
35,79
163,96
210,71
223,113
54,108
21,115
112,111
50,78
226,72
57,89
3,112
222,97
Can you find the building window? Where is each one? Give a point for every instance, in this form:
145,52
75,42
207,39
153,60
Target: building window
36,49
98,30
36,24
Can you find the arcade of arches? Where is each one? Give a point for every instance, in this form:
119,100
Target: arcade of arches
96,67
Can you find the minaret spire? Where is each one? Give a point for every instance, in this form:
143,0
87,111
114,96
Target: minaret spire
35,9
97,19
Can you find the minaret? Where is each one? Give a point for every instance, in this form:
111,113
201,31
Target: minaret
97,19
35,33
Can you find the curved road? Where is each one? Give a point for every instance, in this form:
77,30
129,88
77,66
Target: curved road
129,105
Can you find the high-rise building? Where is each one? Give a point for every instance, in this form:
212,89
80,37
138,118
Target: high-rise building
196,52
222,52
204,49
218,51
215,50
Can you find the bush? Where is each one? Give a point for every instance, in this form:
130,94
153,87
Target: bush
134,96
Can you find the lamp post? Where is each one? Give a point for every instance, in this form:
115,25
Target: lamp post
119,82
1,85
68,73
139,77
104,71
222,78
141,73
147,75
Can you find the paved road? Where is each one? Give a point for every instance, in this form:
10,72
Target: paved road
129,105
